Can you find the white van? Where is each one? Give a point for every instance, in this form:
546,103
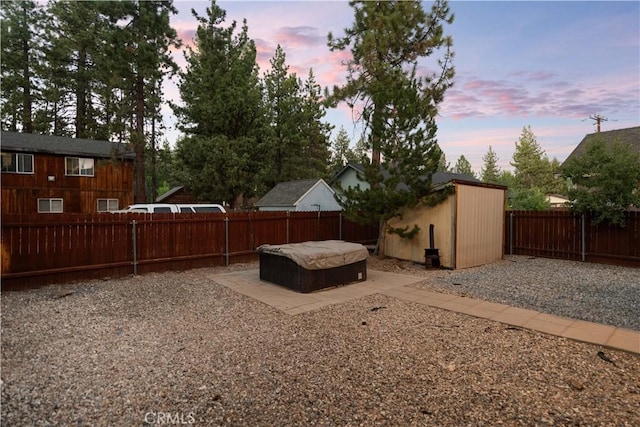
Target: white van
171,208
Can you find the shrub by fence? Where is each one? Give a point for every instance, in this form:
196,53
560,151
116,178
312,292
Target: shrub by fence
56,248
564,235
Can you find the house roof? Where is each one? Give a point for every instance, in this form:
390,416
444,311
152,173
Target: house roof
438,178
35,143
169,193
289,193
630,136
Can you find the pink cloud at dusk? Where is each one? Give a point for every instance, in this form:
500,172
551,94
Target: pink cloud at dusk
300,37
546,64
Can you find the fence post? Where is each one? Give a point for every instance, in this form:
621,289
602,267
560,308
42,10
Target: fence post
583,239
288,215
226,240
135,250
511,233
340,226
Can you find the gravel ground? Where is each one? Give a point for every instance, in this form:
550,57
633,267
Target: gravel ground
176,348
593,292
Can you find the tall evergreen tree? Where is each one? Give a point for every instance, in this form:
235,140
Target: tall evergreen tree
341,153
443,165
529,160
222,154
74,37
490,171
21,52
398,105
506,178
150,39
284,112
463,167
532,168
361,152
312,128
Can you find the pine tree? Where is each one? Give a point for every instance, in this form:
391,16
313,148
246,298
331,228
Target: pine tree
529,160
361,152
490,171
341,153
314,131
151,38
21,52
284,110
463,167
534,174
443,165
223,153
74,36
398,106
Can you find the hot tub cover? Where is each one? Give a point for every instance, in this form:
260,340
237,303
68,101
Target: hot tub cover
319,255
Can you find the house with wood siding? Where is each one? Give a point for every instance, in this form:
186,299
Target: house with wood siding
54,174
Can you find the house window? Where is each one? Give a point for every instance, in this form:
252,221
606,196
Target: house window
78,166
106,205
17,163
50,206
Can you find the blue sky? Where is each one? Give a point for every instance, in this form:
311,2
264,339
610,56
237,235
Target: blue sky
548,65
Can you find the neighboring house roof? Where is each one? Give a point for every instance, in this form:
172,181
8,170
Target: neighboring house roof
169,193
289,193
355,166
35,143
438,178
630,136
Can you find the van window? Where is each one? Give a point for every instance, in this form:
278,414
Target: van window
185,209
161,209
207,209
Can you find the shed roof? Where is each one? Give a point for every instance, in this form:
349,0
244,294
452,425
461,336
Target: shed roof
630,136
288,193
61,145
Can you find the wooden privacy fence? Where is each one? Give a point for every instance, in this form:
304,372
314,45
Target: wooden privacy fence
564,235
56,248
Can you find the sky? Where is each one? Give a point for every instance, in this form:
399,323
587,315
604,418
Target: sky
547,65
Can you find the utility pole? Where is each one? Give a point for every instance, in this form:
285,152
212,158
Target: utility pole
598,118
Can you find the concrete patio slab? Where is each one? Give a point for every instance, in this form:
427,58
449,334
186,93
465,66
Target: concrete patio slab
625,339
248,283
395,285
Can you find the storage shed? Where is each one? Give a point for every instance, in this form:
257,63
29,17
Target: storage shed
468,227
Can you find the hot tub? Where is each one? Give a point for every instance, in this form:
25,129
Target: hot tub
311,266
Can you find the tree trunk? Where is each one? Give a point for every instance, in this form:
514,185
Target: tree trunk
154,166
81,96
27,123
139,143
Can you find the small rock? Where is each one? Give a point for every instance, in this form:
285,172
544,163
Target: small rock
575,384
